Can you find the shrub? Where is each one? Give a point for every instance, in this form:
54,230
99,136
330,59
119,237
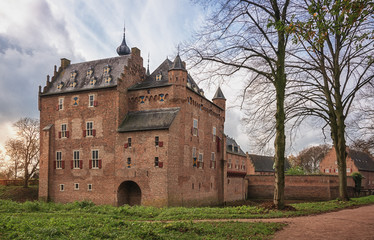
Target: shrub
297,170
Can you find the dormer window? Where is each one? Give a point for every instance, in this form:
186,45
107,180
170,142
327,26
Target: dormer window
236,149
108,79
89,73
73,75
60,85
92,81
159,77
230,148
106,69
73,84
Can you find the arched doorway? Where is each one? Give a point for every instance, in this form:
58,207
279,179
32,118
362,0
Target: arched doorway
129,193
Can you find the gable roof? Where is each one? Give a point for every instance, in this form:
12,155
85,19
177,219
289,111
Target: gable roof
265,163
82,82
362,160
157,119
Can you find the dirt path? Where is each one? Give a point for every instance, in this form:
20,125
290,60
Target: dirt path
356,223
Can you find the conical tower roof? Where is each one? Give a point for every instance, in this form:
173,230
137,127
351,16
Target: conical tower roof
219,94
177,64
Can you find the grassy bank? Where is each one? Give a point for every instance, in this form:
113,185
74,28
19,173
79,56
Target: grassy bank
84,220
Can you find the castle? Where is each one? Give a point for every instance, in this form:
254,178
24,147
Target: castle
114,133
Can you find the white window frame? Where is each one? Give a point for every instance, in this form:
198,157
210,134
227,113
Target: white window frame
58,160
229,163
89,128
76,186
195,127
91,100
61,104
243,164
95,159
62,187
89,187
200,160
348,170
64,128
157,161
237,164
327,170
76,159
213,159
194,152
214,134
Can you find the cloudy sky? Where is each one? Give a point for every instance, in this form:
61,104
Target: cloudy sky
35,34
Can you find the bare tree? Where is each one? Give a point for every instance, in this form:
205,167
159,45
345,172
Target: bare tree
24,149
244,36
310,158
337,60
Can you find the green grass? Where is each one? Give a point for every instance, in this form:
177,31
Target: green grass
97,226
84,220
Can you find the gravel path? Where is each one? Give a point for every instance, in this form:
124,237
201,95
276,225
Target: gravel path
357,223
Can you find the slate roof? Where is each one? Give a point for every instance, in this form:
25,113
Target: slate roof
157,119
116,65
363,161
265,163
219,94
153,81
230,146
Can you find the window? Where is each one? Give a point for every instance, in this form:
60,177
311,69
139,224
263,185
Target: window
229,164
76,161
64,131
213,160
243,164
236,149
237,164
76,186
60,104
214,134
195,131
59,160
156,161
62,187
95,159
128,162
129,142
200,162
327,170
89,187
91,100
194,152
89,129
348,170
156,141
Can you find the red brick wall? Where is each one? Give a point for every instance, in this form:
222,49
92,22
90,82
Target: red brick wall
318,187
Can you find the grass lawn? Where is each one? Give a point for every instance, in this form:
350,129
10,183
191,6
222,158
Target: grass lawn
84,220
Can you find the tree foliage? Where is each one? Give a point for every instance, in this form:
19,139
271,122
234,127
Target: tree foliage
24,149
310,158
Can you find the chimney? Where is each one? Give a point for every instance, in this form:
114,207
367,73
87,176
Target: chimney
65,63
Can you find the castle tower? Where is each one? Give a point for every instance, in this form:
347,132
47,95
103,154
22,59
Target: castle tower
178,72
123,49
219,99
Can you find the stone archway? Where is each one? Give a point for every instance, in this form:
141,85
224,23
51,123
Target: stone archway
129,193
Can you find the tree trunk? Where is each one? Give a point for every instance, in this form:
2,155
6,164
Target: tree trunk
341,155
26,177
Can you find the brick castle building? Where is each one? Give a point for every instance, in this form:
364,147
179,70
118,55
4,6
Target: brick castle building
114,133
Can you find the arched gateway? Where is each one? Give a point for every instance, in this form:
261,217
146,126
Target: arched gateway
129,193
